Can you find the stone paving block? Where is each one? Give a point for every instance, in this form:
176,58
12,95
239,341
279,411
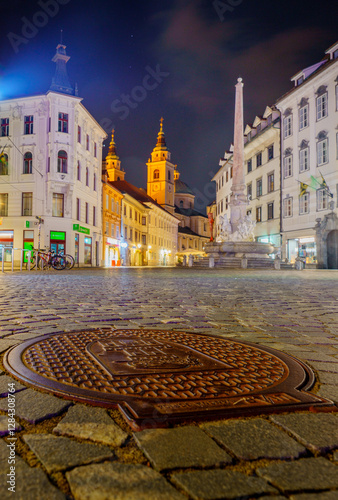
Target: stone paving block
328,378
115,481
180,447
318,432
4,431
325,367
30,483
324,495
304,474
253,439
5,380
220,484
335,456
91,423
35,406
7,343
60,453
329,392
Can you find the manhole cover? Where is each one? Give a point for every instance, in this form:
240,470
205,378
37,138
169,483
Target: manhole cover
156,377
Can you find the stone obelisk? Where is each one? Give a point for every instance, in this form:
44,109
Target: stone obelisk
238,198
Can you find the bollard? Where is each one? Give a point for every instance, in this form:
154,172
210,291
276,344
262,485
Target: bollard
21,259
190,261
244,262
29,256
211,262
277,263
2,259
12,259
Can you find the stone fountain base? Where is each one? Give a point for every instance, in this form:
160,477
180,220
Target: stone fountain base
249,249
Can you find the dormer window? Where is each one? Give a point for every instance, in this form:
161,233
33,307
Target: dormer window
300,80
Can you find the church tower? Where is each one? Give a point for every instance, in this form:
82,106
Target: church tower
160,182
60,82
113,164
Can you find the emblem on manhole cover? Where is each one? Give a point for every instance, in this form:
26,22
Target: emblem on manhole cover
156,377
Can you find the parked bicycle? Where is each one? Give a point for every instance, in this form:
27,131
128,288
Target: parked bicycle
70,261
46,260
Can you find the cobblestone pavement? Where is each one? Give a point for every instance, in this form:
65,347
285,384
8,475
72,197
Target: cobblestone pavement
65,450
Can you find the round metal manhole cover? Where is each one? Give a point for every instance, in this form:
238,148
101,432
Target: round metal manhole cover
156,377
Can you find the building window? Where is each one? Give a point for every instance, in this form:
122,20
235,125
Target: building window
87,213
125,210
287,207
258,214
337,97
79,134
322,106
27,204
94,216
304,160
322,199
169,175
270,152
94,182
4,164
250,165
78,208
156,174
303,117
249,191
322,152
4,127
131,234
222,180
271,182
258,160
27,163
95,149
287,126
58,205
78,171
304,206
87,142
28,124
62,162
48,164
287,166
231,172
63,122
107,228
4,204
270,211
259,187
87,176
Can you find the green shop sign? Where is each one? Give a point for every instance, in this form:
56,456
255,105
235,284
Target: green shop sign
81,229
57,235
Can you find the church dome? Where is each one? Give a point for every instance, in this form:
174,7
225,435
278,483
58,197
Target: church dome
182,187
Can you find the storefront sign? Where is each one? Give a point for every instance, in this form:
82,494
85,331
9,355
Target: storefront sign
57,235
112,241
81,229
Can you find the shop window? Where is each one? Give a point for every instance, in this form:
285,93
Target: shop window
63,123
27,204
76,255
62,162
27,163
87,250
58,205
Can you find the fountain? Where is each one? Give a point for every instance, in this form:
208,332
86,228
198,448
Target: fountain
236,238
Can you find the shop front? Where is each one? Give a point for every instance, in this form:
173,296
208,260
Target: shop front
112,253
58,242
6,242
304,248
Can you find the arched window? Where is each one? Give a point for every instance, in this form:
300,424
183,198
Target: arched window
3,164
87,177
78,171
62,162
94,183
156,174
181,203
169,176
27,163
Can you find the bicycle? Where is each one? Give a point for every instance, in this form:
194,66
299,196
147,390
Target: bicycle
70,261
46,260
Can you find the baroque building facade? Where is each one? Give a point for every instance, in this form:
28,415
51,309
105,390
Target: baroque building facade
309,165
51,168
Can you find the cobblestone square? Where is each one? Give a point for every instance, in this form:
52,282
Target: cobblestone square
294,312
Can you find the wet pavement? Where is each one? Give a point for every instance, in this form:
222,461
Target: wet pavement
72,450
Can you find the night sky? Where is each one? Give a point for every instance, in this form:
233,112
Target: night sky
196,52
